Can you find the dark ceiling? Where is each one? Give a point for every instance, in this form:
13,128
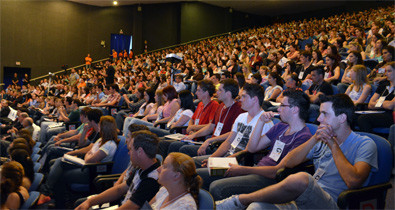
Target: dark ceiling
262,7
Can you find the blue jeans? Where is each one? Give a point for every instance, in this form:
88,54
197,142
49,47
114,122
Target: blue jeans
131,120
191,150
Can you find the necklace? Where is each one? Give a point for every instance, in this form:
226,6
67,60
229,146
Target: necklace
166,203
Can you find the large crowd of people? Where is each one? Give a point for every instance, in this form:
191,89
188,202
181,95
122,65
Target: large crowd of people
224,95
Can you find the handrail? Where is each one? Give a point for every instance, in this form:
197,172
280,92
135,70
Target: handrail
61,71
168,47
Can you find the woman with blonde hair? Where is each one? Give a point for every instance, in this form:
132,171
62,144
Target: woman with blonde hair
180,183
13,194
359,90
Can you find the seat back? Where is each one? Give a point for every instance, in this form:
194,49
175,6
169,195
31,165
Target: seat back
312,127
31,201
121,157
206,201
384,159
335,89
35,157
38,178
37,167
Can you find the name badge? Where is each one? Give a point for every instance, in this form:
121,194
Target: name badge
326,75
318,174
197,121
380,101
237,140
381,70
218,129
301,75
277,150
159,116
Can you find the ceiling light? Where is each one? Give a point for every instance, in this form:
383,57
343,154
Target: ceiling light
115,2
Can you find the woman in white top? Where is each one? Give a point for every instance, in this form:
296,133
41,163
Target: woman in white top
275,88
182,116
180,183
61,173
151,115
354,58
359,90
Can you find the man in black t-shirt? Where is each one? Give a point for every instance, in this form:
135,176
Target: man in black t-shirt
142,184
319,87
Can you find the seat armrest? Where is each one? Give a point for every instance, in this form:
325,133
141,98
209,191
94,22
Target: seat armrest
372,197
181,129
285,172
105,182
249,159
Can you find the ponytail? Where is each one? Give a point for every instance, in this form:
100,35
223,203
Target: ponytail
194,186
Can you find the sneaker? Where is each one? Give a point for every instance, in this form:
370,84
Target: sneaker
232,202
43,199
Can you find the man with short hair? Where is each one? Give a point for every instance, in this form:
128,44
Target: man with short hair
220,127
142,185
205,110
178,84
304,71
318,88
251,101
282,138
342,159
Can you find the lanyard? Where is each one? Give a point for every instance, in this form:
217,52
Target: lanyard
219,119
293,138
200,113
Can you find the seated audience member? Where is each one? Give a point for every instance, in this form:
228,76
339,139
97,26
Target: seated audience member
22,156
292,82
152,115
359,90
13,194
382,99
112,100
134,107
377,75
351,159
319,87
63,174
178,84
73,116
205,110
180,184
220,127
286,136
88,135
332,69
354,58
251,101
275,88
255,79
68,136
316,58
182,116
142,185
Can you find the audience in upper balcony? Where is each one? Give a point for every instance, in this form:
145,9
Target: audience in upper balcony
136,89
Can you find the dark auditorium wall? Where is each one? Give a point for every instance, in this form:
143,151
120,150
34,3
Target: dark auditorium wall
201,20
44,35
160,25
